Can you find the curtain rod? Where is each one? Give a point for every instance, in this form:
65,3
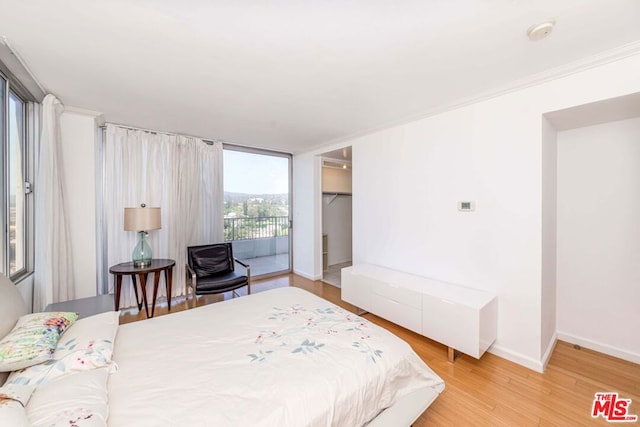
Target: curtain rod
226,144
155,132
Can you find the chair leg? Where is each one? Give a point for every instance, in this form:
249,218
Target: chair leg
189,284
186,295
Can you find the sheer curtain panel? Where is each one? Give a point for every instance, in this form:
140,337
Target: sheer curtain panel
180,174
53,272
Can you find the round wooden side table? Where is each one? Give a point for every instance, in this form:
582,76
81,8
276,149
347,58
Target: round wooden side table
156,267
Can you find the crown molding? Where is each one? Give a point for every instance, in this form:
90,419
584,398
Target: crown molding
20,71
82,111
555,73
551,74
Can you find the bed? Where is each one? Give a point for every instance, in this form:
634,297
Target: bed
282,357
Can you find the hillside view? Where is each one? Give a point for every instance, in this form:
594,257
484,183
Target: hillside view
240,205
255,216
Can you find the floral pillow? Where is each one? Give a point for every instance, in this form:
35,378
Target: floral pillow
33,339
13,399
88,344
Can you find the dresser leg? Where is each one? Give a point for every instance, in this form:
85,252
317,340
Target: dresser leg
452,354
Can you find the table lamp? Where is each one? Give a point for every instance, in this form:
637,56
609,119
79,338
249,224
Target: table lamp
142,220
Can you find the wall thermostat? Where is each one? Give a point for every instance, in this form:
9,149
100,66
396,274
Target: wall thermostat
466,206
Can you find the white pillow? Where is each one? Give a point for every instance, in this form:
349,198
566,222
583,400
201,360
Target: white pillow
76,400
87,344
33,339
13,399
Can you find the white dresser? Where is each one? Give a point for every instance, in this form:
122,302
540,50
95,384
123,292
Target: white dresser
463,319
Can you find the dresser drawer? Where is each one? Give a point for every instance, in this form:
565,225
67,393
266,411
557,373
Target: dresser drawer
407,297
452,324
356,289
396,312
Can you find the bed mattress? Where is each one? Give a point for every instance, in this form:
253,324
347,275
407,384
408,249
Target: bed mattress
284,357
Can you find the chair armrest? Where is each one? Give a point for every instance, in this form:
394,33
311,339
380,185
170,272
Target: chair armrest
244,264
246,267
190,272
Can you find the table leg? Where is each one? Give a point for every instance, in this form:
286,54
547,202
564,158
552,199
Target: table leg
135,289
118,280
156,281
168,278
143,288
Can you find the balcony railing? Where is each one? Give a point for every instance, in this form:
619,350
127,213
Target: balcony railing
255,228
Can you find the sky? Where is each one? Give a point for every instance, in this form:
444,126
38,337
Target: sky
255,173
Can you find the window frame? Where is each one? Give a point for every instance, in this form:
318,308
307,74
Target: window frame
289,157
29,135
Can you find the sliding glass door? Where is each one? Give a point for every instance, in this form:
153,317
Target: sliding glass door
257,216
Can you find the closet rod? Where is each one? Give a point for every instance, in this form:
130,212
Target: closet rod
333,193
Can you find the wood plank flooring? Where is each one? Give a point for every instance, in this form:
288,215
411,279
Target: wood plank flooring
491,391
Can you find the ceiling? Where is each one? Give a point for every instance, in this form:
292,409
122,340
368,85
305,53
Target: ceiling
342,154
295,75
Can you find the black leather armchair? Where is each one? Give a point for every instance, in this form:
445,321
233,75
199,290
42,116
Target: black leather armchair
211,270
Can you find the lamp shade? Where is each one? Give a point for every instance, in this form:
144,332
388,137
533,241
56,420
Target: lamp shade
142,219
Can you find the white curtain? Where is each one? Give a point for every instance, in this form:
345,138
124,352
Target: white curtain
53,272
182,175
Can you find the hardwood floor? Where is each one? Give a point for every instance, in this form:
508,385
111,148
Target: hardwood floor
491,391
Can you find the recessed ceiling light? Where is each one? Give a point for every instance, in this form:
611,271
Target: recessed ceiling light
540,31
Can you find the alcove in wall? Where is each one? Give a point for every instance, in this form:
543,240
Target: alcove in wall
591,226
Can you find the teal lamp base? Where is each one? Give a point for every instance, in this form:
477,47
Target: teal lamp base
142,252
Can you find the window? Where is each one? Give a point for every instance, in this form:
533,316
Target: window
15,248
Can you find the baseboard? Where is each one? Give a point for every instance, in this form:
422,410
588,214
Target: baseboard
600,347
540,365
550,347
518,358
307,276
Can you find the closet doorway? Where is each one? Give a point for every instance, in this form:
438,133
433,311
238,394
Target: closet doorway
336,214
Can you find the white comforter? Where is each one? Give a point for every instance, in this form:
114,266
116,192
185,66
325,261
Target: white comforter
279,358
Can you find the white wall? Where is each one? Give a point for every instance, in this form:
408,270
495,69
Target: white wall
25,286
598,282
336,224
409,178
78,133
307,211
406,188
